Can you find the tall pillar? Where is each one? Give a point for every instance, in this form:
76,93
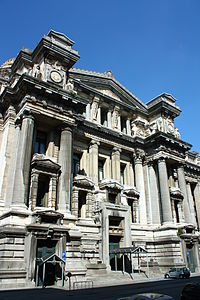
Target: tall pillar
164,191
24,151
65,161
33,190
155,209
139,178
110,118
52,192
197,201
182,185
88,111
75,194
128,126
93,160
89,202
191,203
115,161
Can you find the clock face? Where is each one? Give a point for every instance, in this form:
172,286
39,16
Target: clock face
55,76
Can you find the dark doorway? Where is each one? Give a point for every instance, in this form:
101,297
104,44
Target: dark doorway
190,257
114,243
46,247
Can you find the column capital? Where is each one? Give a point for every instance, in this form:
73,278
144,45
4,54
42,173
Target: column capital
116,149
138,154
94,143
67,127
27,114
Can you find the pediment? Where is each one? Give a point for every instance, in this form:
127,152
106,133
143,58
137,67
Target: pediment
107,85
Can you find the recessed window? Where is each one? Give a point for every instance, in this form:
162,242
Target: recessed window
43,191
104,117
123,125
122,173
112,197
41,142
76,165
82,204
100,170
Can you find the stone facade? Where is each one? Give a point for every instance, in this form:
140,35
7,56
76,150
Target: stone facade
87,167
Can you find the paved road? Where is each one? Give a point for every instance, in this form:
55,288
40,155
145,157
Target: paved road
170,287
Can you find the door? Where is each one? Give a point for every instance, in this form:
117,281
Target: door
46,247
190,258
114,243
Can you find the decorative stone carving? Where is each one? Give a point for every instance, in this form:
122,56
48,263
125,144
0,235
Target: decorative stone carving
138,153
175,193
131,192
83,182
111,185
95,106
115,117
177,133
70,87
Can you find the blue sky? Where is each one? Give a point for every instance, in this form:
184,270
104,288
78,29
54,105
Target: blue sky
151,46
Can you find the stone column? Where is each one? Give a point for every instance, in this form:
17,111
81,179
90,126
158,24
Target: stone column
139,178
115,161
52,193
110,118
88,111
99,115
131,174
191,203
128,126
93,160
75,202
24,151
164,191
182,185
89,202
33,190
197,201
65,161
155,209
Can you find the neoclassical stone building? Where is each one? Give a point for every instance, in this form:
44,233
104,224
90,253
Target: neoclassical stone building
85,168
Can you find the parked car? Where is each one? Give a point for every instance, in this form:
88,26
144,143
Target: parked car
178,273
148,296
191,291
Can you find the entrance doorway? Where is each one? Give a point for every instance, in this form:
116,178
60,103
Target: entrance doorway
190,257
114,243
46,248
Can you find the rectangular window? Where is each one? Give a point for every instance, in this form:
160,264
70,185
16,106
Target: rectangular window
104,117
123,125
41,142
122,173
100,170
76,165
